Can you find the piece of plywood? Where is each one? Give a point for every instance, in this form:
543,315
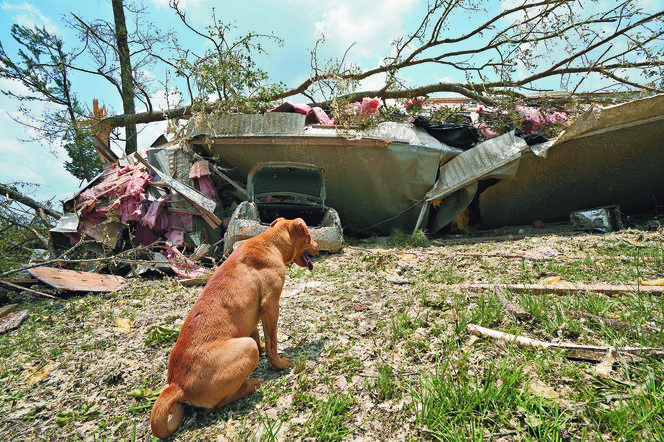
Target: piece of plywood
76,281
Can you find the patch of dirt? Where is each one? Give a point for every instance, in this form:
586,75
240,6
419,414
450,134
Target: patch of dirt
80,369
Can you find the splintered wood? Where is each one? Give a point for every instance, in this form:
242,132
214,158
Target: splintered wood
10,320
587,352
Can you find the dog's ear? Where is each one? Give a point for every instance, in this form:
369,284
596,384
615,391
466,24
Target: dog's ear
276,221
301,227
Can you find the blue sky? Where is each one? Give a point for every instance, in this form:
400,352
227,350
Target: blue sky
371,24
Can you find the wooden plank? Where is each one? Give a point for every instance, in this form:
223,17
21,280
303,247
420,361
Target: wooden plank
76,281
7,309
566,287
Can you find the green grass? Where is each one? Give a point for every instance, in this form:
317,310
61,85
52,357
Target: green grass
400,239
404,368
162,335
327,419
385,386
452,404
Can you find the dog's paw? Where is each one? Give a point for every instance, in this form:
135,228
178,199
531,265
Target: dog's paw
280,363
254,383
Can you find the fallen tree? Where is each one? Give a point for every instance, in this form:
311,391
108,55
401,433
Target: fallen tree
12,193
507,55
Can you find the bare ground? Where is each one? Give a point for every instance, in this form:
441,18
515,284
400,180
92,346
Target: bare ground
80,369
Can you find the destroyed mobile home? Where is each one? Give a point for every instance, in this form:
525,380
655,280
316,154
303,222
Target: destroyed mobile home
232,176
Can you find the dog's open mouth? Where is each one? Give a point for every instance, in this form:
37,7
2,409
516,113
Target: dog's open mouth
307,259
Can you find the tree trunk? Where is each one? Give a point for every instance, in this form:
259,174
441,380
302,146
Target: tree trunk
18,196
125,73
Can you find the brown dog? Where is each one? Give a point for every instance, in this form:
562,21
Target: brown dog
218,345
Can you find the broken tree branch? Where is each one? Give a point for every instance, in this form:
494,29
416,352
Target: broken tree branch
63,260
588,352
18,196
34,231
515,310
43,218
25,289
564,288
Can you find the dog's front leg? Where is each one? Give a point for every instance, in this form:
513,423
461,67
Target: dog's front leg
269,318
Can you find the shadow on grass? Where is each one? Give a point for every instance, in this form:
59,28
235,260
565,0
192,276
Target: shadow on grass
196,418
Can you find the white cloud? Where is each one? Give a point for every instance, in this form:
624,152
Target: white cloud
371,24
33,163
26,14
14,86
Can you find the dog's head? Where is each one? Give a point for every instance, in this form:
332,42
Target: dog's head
303,246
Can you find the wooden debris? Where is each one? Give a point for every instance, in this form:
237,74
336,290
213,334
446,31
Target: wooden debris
11,320
203,204
564,288
515,310
77,281
201,280
7,309
2,281
587,352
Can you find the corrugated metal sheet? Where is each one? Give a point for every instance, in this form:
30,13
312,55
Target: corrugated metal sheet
616,158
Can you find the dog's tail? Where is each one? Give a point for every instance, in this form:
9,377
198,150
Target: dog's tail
167,412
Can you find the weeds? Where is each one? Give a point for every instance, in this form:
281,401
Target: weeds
327,421
380,351
400,239
162,335
385,386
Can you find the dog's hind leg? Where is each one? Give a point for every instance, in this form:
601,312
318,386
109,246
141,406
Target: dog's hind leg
248,386
257,338
223,378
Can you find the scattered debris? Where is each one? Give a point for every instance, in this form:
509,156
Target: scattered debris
601,219
651,282
9,320
187,200
566,287
77,281
586,352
